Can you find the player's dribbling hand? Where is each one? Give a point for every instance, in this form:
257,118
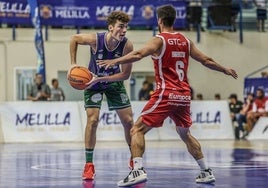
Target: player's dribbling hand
93,81
71,67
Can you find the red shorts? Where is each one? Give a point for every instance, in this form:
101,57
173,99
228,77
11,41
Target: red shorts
170,104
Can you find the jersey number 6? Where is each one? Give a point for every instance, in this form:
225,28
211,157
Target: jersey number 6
179,69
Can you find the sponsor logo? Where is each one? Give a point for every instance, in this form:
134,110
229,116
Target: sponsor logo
124,98
103,11
175,41
39,119
20,8
177,54
72,12
173,96
96,98
72,79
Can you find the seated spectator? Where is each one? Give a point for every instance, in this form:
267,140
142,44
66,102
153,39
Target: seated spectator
235,107
259,109
57,93
144,91
39,91
264,74
199,96
150,89
217,96
241,116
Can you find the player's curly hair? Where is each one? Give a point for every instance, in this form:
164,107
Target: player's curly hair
117,15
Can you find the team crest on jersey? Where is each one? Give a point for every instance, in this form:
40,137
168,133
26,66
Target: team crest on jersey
100,56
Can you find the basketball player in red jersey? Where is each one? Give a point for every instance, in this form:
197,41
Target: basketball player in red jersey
170,52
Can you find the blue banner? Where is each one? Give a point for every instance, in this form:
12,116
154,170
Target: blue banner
252,84
39,43
91,13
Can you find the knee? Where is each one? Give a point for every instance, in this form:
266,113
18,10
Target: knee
92,122
128,123
185,137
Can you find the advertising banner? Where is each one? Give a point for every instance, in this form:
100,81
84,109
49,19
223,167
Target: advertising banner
211,120
252,84
260,130
110,128
91,13
40,122
66,121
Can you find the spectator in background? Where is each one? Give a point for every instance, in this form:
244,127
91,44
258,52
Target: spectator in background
194,14
57,93
264,74
235,8
259,109
261,14
144,91
39,91
235,107
199,96
241,116
217,96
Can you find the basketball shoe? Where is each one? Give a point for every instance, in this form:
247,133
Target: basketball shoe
89,172
134,177
205,176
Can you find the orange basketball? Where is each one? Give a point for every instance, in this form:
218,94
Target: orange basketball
79,76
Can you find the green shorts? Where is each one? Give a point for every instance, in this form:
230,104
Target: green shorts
115,93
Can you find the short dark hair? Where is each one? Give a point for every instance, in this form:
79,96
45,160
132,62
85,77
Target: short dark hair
261,90
117,15
54,80
168,14
233,96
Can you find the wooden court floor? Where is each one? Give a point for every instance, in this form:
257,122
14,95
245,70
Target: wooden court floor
236,164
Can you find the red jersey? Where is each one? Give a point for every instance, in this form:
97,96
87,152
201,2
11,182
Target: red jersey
172,96
260,105
172,64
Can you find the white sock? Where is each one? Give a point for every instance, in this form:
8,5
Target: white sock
137,161
202,164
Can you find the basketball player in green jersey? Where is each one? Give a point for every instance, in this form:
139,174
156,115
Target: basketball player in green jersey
105,45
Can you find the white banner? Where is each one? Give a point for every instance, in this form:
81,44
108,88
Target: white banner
40,121
211,120
110,127
260,130
66,121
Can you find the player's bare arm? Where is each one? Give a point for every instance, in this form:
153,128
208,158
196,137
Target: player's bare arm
81,39
209,62
126,68
153,47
